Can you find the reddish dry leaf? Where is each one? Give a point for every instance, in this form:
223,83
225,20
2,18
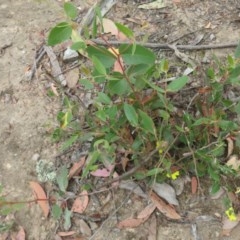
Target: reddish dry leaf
21,234
101,173
228,226
141,218
147,211
118,67
81,203
65,234
164,208
152,230
84,228
122,37
40,197
131,222
194,185
109,27
76,168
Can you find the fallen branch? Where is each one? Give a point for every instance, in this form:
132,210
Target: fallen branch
168,46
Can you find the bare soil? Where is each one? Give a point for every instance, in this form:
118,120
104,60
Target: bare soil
28,115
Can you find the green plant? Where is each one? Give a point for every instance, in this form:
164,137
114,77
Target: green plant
133,114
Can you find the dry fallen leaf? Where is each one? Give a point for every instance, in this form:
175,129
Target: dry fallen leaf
109,27
153,5
230,146
233,162
104,172
21,234
228,226
64,234
84,228
194,184
81,203
152,230
166,192
141,218
131,223
163,207
76,168
41,197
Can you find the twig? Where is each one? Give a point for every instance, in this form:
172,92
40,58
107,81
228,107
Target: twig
167,46
5,46
132,171
38,57
56,70
114,212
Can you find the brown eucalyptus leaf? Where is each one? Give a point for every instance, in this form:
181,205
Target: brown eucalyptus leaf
41,197
163,207
81,202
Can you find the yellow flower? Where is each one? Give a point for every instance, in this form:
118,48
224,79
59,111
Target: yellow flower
174,175
230,214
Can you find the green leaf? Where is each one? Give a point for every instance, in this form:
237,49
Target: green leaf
103,55
154,172
98,65
101,114
69,142
237,52
228,125
70,10
62,178
234,76
66,119
125,30
56,212
78,45
136,70
202,121
119,87
146,122
177,84
153,86
59,33
103,98
86,84
67,219
237,108
131,114
141,55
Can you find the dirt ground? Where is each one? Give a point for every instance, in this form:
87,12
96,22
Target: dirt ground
28,115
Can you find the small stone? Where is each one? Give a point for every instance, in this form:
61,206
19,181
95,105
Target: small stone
70,55
35,157
212,37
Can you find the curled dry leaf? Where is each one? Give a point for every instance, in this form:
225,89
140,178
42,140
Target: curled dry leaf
81,203
163,207
41,197
230,146
76,168
233,162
